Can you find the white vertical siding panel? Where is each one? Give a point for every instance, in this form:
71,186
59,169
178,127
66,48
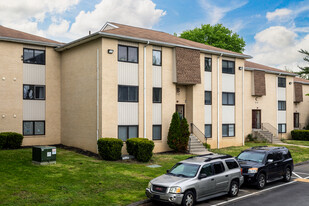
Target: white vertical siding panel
34,74
127,113
156,76
281,93
228,83
33,110
207,114
281,117
207,81
156,113
228,114
127,74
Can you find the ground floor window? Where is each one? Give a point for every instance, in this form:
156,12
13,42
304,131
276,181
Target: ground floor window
208,131
156,132
282,128
228,130
127,132
33,128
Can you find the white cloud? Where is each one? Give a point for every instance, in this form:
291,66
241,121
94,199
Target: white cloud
215,13
279,14
278,46
142,13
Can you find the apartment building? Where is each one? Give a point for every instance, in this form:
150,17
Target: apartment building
126,82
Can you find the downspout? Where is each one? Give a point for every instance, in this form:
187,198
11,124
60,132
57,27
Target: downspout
145,90
243,106
98,97
218,99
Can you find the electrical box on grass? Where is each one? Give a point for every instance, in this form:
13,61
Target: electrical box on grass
44,155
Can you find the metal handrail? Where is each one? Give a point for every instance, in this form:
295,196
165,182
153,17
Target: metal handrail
198,133
271,129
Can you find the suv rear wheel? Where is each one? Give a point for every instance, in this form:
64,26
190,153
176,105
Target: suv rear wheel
234,188
287,175
188,199
261,181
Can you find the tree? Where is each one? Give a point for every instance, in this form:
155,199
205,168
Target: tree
174,132
304,71
185,134
217,35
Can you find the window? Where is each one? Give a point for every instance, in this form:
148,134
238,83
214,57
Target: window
127,132
228,98
218,167
208,131
231,164
34,56
281,82
36,92
127,93
33,128
127,54
207,64
282,128
157,95
156,57
228,130
228,67
207,97
278,156
296,120
156,132
207,169
282,105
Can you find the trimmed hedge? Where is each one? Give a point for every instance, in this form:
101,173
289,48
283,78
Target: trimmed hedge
110,148
140,148
300,135
10,140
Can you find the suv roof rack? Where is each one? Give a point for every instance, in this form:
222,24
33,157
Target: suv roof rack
218,157
205,155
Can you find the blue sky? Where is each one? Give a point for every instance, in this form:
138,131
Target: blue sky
273,30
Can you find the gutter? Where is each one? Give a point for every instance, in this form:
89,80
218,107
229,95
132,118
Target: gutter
98,97
306,83
145,69
218,99
25,41
271,72
145,41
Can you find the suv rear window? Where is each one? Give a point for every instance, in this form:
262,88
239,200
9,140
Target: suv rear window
218,167
231,164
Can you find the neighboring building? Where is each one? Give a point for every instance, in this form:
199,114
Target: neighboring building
125,82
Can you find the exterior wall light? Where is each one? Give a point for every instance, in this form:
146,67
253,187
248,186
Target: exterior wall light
290,83
240,68
110,51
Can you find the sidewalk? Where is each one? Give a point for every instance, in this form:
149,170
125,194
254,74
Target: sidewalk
292,145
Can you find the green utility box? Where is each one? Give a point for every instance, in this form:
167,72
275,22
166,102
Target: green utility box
44,155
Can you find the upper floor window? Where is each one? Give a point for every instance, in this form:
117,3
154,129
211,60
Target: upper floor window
281,82
156,57
282,105
207,97
36,92
228,98
127,93
228,67
157,95
34,56
127,54
207,64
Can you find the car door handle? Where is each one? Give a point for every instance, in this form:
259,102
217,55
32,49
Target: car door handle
212,179
276,164
226,175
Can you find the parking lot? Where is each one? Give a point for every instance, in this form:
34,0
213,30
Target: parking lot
276,193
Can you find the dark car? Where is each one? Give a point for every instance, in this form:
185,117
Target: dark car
263,164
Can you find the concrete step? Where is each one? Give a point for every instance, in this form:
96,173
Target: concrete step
197,150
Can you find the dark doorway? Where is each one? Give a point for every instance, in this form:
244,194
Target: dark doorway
180,108
256,119
296,120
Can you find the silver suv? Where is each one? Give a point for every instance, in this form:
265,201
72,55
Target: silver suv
197,178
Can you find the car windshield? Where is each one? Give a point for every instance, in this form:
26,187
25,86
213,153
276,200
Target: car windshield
184,170
251,156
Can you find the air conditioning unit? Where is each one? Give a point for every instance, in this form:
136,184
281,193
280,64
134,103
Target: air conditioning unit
44,155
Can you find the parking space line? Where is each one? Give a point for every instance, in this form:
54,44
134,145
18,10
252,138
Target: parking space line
296,175
248,195
301,173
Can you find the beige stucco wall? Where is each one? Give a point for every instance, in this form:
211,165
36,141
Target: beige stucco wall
79,95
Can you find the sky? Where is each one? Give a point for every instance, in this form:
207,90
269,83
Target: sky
274,30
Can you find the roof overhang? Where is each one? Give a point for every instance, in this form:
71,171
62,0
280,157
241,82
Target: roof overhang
271,72
145,41
300,82
26,41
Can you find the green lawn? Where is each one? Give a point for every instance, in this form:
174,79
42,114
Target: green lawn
299,154
297,142
75,179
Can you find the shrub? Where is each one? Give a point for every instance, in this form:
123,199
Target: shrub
110,148
140,148
174,132
300,135
207,146
184,138
11,140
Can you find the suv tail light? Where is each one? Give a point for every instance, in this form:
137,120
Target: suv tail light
241,171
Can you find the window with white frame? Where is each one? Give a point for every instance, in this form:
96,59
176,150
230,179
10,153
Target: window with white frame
281,128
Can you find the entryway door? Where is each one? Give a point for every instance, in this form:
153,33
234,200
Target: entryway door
256,119
180,108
